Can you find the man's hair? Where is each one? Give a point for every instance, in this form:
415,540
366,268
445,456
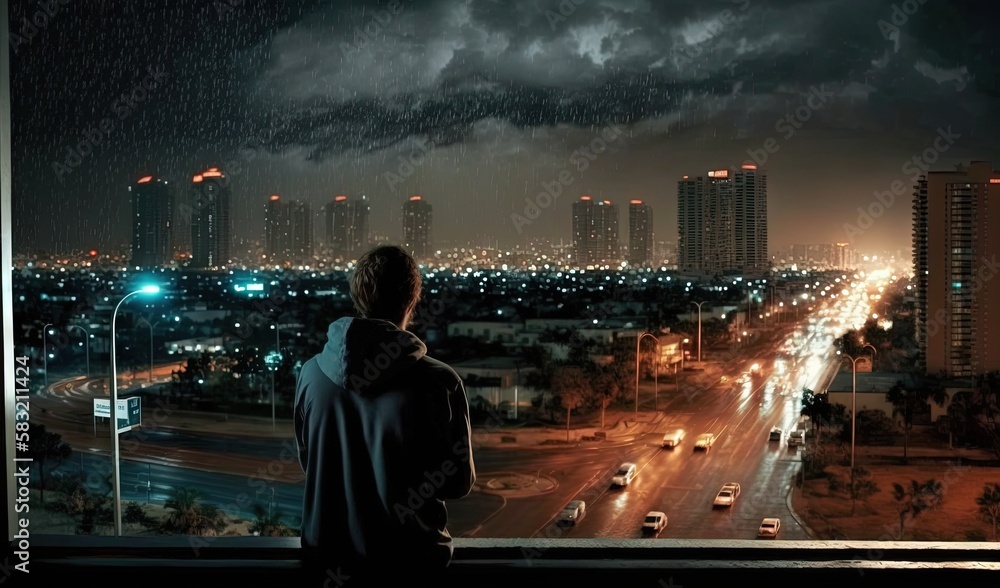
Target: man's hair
386,284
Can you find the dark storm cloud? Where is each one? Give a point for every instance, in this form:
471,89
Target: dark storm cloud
370,75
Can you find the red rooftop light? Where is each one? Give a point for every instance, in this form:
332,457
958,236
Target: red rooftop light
584,197
275,197
197,178
635,202
145,179
415,198
340,198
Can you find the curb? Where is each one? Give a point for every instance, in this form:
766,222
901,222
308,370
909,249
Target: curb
788,503
513,493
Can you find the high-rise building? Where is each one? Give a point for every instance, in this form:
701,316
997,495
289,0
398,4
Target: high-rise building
956,236
595,232
722,222
288,229
417,226
347,225
843,256
211,224
750,220
640,233
152,222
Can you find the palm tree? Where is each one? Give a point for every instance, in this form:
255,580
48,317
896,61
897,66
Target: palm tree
268,524
907,403
572,386
915,499
190,516
989,507
46,446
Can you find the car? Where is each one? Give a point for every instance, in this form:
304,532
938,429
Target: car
654,522
572,513
776,434
797,437
704,441
625,475
769,528
727,495
672,438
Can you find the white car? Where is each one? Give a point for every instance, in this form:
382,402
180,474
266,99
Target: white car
625,475
728,495
704,441
769,528
573,513
672,438
797,437
654,522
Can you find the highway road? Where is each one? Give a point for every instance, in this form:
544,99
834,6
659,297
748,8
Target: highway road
681,482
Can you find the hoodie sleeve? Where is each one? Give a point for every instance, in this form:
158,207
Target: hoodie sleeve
459,451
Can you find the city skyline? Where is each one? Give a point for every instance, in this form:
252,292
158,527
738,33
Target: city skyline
486,125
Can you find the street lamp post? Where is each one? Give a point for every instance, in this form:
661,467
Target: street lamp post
699,327
854,409
150,325
277,359
86,339
45,353
116,473
637,341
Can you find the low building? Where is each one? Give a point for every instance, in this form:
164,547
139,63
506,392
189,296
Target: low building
496,381
872,388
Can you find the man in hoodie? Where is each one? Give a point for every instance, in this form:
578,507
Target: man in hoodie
382,432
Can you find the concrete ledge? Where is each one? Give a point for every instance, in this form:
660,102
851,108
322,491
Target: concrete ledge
530,562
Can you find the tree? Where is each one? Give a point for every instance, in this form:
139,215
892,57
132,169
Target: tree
989,507
907,403
607,387
46,447
191,516
817,407
267,524
862,485
572,386
916,499
135,514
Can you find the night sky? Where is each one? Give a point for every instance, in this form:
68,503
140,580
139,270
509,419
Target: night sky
494,96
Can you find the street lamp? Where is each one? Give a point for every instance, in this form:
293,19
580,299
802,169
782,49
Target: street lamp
45,354
854,406
637,341
114,413
86,338
143,319
274,365
699,328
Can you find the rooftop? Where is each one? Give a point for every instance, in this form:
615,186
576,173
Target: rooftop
879,382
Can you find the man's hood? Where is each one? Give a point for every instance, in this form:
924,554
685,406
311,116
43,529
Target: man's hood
361,354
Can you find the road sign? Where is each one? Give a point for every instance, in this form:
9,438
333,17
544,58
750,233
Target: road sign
128,411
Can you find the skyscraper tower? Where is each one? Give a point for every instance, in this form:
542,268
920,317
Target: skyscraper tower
640,233
347,225
152,223
750,226
595,232
956,235
722,222
211,228
417,226
275,228
288,229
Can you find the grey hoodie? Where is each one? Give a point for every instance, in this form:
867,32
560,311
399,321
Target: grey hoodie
383,437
